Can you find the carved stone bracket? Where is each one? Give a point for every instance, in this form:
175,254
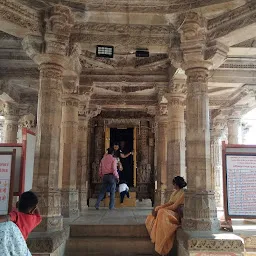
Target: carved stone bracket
28,121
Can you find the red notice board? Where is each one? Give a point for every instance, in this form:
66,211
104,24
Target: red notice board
239,180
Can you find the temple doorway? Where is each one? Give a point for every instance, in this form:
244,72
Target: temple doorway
125,138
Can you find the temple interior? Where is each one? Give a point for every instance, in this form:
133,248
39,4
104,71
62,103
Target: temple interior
167,80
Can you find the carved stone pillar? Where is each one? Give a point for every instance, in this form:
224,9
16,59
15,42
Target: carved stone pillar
162,176
82,165
50,52
200,212
99,151
144,167
216,160
82,172
176,164
11,114
68,155
234,126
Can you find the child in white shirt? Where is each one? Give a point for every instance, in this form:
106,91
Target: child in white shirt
123,190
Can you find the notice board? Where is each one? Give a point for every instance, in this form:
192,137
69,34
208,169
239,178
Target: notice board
7,166
29,146
239,175
9,147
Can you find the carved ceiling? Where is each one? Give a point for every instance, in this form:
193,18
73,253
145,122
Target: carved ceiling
126,81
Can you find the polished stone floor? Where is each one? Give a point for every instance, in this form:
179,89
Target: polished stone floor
133,216
104,216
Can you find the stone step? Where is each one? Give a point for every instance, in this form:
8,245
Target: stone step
128,202
112,230
115,246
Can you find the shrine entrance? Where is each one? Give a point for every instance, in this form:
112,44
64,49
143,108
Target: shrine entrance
126,138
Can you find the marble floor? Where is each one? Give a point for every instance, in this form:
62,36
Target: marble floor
104,216
133,216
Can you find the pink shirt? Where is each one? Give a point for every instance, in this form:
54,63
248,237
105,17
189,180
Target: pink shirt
108,165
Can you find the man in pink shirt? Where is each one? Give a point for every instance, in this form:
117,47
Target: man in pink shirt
108,171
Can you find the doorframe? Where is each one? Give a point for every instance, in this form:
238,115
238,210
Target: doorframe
107,145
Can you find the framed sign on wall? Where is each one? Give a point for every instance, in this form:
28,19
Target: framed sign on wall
239,179
7,169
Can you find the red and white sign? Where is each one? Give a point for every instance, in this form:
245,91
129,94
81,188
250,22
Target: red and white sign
5,182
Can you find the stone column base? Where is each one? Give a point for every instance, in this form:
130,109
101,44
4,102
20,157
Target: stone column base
83,204
200,212
48,243
69,203
157,197
208,244
49,205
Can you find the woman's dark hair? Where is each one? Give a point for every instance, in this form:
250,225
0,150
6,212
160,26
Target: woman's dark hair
110,151
179,181
28,200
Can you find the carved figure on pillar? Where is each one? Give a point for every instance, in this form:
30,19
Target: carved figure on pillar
50,52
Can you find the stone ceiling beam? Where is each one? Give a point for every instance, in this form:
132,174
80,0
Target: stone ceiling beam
235,26
233,76
17,19
149,6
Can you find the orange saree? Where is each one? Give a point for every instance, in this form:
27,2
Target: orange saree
162,227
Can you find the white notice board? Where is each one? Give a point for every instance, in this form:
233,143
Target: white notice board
4,147
240,185
7,164
29,146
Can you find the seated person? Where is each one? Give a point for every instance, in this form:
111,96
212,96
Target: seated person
27,217
165,220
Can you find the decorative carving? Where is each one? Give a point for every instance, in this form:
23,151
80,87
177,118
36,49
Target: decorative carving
237,18
148,6
10,110
28,121
223,245
144,174
200,212
21,16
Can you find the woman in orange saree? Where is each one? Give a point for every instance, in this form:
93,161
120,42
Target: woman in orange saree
165,220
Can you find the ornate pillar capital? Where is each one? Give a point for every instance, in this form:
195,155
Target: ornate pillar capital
28,121
87,113
54,39
195,47
11,111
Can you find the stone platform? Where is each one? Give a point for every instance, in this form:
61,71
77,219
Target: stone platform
116,232
122,232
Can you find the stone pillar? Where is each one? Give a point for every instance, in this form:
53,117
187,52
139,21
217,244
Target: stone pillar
176,164
162,181
245,129
68,155
82,172
11,114
144,171
82,164
200,211
216,160
234,127
50,52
